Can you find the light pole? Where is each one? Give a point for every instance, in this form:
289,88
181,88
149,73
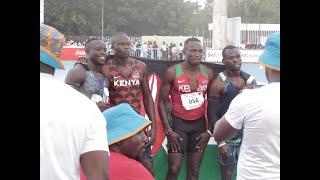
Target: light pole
102,19
246,21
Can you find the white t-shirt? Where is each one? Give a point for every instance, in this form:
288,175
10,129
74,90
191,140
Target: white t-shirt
258,111
180,48
164,48
70,125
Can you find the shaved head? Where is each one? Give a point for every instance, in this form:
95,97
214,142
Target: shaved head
116,36
88,44
186,42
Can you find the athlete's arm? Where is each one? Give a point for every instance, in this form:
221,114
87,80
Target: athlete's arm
75,77
215,90
82,60
94,165
166,85
211,77
148,103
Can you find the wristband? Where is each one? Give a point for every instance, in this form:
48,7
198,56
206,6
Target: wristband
208,131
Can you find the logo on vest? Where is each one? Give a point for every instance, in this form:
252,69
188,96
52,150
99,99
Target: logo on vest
202,88
123,82
136,76
116,77
184,88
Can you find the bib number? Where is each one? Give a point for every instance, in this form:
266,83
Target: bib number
192,100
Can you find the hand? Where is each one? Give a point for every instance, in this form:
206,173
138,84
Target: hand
103,106
202,141
152,137
248,86
174,139
224,150
83,61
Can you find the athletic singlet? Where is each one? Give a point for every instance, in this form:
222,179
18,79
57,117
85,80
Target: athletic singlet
93,86
230,92
186,103
125,88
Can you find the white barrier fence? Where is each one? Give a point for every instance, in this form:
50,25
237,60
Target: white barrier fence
210,55
250,56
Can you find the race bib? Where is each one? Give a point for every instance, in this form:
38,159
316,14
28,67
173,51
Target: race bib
192,100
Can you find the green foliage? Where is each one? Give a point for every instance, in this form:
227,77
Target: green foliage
255,11
149,17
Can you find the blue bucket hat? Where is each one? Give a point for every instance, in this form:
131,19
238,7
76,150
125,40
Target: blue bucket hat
51,43
271,55
123,122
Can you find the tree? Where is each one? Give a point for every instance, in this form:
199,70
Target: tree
72,17
149,17
255,11
201,19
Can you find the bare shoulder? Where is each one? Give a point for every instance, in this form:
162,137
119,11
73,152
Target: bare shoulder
78,69
210,72
218,83
76,75
140,63
170,73
216,87
171,69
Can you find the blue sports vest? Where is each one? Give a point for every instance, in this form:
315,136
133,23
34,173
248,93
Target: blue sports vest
230,92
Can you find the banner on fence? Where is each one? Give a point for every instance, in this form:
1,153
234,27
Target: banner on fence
250,56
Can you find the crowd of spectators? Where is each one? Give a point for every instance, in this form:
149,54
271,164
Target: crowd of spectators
74,43
250,45
152,50
165,51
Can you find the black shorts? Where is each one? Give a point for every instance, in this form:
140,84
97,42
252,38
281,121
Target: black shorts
188,131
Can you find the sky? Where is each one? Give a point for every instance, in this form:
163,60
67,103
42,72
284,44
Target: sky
201,2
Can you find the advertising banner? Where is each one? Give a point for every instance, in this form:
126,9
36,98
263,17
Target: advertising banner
249,56
70,53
